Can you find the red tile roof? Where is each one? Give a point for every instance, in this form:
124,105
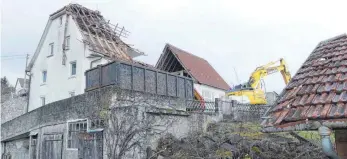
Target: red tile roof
318,91
199,68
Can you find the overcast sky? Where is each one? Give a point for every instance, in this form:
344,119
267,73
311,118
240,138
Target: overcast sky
229,34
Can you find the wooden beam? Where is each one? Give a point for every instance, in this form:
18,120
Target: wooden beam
161,64
175,61
85,25
96,32
173,68
169,61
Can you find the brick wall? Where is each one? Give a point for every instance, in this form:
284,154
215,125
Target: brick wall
341,143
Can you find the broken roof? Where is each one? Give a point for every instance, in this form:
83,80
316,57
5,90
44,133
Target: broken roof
317,94
100,35
174,59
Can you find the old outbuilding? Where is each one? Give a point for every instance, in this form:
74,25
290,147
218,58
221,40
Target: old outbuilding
316,97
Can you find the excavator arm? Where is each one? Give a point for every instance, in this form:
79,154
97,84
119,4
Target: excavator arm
251,91
268,69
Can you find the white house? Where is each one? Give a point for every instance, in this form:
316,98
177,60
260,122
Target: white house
74,40
21,85
208,84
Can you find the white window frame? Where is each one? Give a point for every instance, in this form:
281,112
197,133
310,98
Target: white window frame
68,131
67,43
43,100
44,80
51,49
71,64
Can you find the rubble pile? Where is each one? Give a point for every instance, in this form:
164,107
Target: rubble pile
227,141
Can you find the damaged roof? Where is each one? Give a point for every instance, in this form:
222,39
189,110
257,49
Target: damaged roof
100,35
175,59
317,94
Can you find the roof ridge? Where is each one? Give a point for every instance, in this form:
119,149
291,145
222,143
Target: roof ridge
332,39
184,51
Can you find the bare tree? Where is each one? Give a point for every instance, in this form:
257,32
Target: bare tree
132,125
6,89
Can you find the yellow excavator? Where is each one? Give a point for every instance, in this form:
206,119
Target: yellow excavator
252,92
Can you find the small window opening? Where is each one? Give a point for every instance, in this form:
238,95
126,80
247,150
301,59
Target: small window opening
73,68
44,76
43,101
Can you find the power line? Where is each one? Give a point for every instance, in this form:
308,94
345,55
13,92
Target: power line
12,58
13,55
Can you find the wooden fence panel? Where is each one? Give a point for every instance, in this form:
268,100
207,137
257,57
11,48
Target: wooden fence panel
52,146
139,78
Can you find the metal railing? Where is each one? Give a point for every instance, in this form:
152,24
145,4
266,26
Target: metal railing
201,106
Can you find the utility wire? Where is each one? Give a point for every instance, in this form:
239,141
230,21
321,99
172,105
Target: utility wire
12,55
12,58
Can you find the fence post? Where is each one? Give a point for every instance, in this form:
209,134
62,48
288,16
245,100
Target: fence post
100,76
167,85
176,86
156,82
86,76
144,79
132,77
216,102
118,65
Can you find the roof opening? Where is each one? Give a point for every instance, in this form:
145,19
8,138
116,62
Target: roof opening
322,59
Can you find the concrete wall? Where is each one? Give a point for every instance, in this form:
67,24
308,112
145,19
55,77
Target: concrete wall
13,107
242,112
215,92
341,143
52,118
17,149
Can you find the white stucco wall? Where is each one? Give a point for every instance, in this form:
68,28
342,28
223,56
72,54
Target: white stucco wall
59,82
216,93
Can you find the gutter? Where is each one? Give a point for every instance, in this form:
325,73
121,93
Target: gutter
91,62
326,143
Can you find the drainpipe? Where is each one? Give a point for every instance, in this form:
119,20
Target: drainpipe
28,91
91,62
328,149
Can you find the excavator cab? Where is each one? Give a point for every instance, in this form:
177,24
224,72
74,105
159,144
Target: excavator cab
244,86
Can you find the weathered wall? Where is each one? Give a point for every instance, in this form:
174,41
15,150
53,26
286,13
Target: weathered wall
242,112
52,118
150,124
341,143
18,149
12,108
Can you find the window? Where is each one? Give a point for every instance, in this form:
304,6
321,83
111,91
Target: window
67,43
51,46
207,95
43,101
73,68
72,93
44,76
73,130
